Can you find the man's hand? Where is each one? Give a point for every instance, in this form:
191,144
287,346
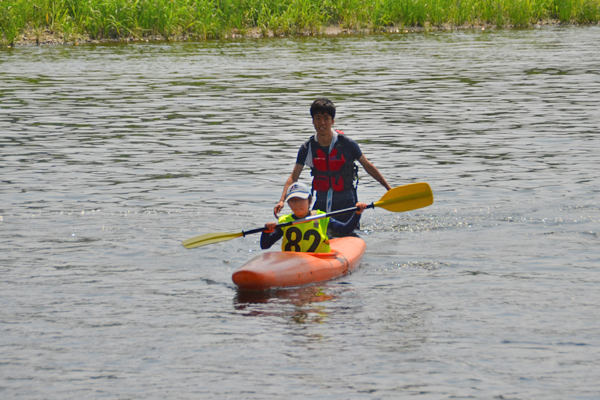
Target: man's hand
278,208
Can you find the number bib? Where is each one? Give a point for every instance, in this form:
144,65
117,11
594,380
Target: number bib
308,237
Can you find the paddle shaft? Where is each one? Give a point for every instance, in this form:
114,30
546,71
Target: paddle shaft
400,199
380,203
311,218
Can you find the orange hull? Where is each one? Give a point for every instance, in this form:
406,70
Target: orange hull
287,269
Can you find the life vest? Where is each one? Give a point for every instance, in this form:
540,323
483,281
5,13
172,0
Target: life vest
308,237
333,170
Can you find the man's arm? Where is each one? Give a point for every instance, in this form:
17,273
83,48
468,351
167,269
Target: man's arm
374,172
291,179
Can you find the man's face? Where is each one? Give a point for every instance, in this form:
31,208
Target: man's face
323,123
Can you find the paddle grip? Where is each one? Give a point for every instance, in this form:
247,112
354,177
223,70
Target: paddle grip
253,231
262,229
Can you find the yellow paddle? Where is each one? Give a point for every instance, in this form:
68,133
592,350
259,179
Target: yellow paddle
399,199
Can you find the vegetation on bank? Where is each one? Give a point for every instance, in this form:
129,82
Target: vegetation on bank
204,19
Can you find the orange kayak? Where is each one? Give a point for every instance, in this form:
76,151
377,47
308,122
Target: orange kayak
279,269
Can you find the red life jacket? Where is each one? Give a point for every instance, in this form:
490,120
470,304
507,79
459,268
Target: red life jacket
333,170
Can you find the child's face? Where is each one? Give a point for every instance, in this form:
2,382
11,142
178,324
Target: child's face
323,123
299,206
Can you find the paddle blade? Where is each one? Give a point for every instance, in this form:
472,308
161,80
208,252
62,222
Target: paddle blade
209,238
406,198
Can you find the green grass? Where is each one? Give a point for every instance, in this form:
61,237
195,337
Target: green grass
205,19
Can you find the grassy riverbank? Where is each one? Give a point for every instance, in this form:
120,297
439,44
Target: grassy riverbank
77,20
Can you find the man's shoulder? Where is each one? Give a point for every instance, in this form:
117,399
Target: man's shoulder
350,146
347,140
310,140
344,137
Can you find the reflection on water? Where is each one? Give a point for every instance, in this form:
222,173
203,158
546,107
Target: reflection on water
276,303
111,155
297,296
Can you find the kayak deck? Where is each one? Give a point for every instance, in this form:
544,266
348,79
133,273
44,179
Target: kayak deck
280,269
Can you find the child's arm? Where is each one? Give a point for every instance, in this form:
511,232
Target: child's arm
270,235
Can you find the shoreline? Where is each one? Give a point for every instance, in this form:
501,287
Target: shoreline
31,38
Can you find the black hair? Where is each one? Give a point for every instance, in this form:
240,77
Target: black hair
322,106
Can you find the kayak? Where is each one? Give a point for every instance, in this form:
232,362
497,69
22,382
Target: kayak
279,269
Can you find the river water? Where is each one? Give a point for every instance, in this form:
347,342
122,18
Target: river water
111,155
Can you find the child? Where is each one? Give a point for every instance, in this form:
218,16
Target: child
330,155
310,237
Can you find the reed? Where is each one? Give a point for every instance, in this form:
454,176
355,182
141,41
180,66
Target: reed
205,19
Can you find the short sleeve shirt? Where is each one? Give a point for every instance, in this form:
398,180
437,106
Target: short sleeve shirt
351,149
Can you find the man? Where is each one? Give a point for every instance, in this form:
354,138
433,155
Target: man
330,155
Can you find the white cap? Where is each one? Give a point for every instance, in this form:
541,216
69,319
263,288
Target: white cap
299,190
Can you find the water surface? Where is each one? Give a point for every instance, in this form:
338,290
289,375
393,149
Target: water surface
110,155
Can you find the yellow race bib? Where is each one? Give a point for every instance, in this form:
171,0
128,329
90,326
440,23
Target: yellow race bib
308,237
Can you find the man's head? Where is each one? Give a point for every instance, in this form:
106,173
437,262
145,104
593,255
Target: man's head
322,106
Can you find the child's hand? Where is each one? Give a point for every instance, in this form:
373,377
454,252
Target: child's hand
362,207
270,227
